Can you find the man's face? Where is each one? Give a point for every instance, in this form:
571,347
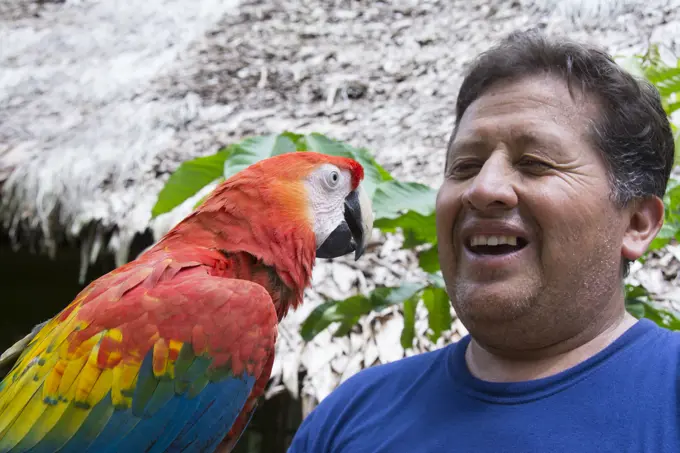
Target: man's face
527,234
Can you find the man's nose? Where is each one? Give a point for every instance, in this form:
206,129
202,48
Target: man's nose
492,187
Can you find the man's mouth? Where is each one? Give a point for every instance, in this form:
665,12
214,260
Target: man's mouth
495,245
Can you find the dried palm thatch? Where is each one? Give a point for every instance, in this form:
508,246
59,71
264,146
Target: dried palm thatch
103,100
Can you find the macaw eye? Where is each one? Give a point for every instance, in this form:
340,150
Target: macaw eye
332,179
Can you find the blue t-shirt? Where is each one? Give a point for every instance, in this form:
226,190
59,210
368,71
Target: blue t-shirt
622,400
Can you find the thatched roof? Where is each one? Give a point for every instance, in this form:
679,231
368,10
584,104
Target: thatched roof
102,100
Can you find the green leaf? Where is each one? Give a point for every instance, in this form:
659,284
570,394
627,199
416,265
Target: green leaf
409,331
640,305
417,229
393,198
349,311
658,243
669,229
373,172
320,318
671,107
437,279
189,178
663,317
298,139
636,292
672,195
666,80
408,206
255,149
439,311
636,309
671,226
346,325
428,260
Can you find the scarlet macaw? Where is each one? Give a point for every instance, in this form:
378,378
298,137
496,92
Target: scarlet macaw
170,352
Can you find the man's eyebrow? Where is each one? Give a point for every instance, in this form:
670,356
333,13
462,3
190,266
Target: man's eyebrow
468,144
529,137
517,136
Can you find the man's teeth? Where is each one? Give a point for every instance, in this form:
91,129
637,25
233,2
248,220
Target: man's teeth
493,240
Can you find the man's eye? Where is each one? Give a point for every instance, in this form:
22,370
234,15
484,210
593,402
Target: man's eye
464,169
535,164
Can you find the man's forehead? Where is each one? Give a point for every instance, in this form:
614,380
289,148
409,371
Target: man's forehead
544,96
539,131
529,110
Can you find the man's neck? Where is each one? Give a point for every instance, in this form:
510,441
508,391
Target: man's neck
495,367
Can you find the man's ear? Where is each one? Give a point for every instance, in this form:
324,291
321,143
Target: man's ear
646,218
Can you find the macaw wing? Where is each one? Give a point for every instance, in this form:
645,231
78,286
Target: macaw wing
9,356
168,363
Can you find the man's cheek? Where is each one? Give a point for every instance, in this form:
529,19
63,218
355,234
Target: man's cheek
446,215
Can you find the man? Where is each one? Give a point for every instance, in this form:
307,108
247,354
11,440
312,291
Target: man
554,178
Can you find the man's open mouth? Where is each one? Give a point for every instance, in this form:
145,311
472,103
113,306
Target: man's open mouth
495,245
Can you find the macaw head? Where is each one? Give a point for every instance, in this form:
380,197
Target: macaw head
322,193
339,207
314,197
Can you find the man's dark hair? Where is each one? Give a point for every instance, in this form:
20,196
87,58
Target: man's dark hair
632,131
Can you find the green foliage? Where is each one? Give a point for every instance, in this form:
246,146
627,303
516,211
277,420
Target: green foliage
640,305
348,311
438,311
670,230
188,179
665,78
409,208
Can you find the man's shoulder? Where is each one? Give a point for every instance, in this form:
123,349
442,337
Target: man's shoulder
656,333
386,381
374,397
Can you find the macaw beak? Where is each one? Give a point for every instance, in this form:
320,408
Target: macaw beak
354,232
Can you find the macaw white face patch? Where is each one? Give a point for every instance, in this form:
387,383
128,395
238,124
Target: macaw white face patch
327,188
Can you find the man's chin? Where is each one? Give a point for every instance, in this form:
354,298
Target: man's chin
492,306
